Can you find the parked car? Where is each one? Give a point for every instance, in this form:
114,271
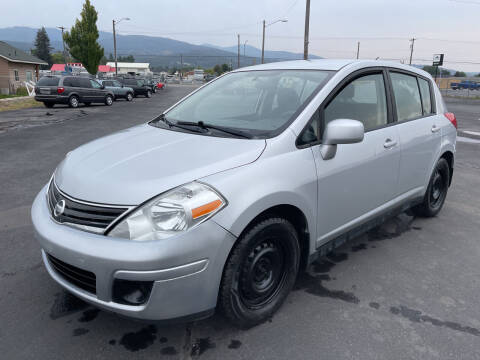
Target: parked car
209,77
466,84
71,90
119,90
223,199
138,86
150,83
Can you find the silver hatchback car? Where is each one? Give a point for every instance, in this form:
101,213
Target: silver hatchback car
221,200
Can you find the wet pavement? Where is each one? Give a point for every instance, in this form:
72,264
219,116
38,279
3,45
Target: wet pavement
405,290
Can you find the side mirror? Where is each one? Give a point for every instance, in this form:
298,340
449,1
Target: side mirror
340,131
102,86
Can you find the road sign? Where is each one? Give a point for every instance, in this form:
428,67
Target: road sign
438,59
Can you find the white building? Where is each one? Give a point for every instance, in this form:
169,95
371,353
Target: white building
131,68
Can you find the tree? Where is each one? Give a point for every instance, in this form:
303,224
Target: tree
82,39
432,69
128,58
57,58
42,46
478,75
110,57
460,74
225,68
103,60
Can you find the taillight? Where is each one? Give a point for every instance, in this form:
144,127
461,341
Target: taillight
60,90
452,118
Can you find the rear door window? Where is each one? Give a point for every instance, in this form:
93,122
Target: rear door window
48,81
364,99
84,82
426,96
407,96
68,81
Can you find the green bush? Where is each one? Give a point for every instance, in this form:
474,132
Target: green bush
22,91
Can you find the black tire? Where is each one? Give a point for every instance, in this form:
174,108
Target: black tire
154,89
129,97
260,272
436,191
149,94
73,101
49,104
88,103
109,100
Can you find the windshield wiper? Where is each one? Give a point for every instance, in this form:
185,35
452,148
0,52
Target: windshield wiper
202,125
170,124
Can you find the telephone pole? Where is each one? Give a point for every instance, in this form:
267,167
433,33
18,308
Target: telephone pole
307,27
358,50
115,42
263,41
238,52
411,49
63,41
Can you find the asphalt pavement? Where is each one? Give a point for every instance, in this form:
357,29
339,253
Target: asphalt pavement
406,290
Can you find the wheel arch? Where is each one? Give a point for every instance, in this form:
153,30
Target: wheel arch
448,155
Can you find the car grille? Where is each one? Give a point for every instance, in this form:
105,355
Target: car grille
90,217
83,279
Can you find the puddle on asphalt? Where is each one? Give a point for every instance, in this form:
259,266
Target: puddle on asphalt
201,345
142,339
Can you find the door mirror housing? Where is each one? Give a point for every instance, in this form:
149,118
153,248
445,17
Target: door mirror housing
340,131
102,86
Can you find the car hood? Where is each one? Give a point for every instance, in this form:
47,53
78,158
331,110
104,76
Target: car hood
133,165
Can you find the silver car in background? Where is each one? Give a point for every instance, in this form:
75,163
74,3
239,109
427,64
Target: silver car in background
221,200
119,90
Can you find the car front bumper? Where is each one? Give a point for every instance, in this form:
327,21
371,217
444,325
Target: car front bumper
185,269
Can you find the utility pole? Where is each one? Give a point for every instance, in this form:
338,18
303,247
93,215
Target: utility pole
263,41
411,49
244,45
63,41
238,52
358,50
307,27
115,42
115,48
181,66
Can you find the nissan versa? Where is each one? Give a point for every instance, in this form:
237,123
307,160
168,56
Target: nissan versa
221,200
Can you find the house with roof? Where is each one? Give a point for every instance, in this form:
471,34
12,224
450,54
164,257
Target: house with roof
16,67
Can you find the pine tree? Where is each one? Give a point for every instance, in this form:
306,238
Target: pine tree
82,39
42,46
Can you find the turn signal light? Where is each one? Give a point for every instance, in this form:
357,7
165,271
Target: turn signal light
452,118
60,90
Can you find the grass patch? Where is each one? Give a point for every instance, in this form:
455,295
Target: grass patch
3,96
20,104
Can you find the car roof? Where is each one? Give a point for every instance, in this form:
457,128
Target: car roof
330,65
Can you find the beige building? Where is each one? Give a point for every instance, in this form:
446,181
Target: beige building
16,67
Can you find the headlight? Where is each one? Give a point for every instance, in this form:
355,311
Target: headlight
170,213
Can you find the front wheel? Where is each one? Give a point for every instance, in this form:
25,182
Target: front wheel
129,97
436,191
149,94
260,272
109,100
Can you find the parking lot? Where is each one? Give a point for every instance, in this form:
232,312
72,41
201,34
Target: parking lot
405,290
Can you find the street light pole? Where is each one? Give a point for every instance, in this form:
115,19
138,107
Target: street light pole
307,27
263,39
63,41
238,51
115,43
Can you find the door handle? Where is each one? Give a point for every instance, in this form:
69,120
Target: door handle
389,143
435,128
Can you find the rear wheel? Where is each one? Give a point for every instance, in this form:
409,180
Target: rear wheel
436,191
260,272
109,100
129,97
49,104
73,101
149,94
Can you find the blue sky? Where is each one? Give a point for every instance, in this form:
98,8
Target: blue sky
382,26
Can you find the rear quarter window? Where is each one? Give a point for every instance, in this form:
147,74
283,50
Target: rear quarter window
48,81
426,96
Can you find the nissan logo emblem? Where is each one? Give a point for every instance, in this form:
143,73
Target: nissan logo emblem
59,208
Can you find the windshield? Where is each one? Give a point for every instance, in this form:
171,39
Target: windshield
261,103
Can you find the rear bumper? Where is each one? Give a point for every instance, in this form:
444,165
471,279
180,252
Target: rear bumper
185,270
52,98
